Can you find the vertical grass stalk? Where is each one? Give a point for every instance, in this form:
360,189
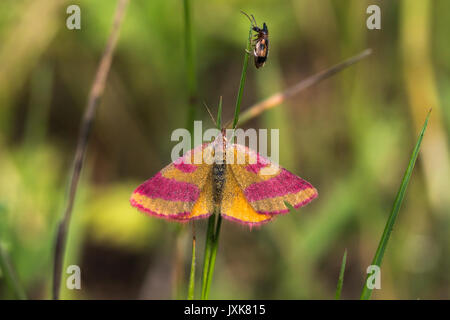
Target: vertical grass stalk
237,109
341,276
212,259
207,256
95,95
378,258
191,289
191,82
213,232
210,233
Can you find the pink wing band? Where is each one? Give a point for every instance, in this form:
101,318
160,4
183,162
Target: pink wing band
260,163
281,185
168,189
177,216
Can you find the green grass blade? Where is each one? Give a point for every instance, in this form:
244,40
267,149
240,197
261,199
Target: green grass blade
191,290
212,261
10,275
242,82
191,81
207,255
341,276
366,293
290,207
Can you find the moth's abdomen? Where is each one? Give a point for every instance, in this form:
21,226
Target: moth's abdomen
261,51
260,61
218,181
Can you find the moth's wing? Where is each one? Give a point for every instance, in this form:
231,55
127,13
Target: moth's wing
262,50
179,191
267,186
204,205
264,47
235,206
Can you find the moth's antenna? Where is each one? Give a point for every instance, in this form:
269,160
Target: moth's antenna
254,20
219,115
249,18
210,114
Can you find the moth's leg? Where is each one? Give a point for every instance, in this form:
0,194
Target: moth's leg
251,52
253,49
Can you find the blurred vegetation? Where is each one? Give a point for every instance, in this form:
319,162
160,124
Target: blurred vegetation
350,136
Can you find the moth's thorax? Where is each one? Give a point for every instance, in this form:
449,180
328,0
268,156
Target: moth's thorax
219,148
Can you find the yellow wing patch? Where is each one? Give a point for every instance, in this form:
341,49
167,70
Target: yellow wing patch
235,206
204,206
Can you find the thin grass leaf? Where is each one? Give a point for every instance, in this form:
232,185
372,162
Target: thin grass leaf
207,255
341,276
191,81
289,206
94,98
211,245
242,82
366,292
212,261
191,290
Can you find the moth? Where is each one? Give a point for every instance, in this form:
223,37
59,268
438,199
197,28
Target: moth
231,179
261,42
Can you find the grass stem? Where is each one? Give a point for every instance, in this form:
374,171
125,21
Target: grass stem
237,109
212,259
379,254
341,276
207,256
86,126
191,289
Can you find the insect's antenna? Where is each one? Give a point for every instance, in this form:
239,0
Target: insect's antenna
248,17
254,20
210,114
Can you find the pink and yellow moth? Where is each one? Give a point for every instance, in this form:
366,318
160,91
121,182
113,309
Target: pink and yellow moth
240,187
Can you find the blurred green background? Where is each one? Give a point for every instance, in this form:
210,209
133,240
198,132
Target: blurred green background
350,136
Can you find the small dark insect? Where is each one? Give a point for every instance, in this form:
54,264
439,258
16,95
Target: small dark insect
261,42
